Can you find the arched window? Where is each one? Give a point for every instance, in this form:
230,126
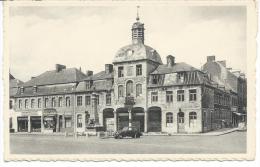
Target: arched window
26,103
169,119
67,101
129,88
138,89
120,91
79,121
192,119
181,117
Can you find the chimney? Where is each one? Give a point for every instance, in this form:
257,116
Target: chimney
170,60
223,62
89,73
108,68
210,58
59,67
32,78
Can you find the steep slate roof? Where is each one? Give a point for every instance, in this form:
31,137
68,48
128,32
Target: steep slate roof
178,67
69,75
48,90
135,52
99,76
13,85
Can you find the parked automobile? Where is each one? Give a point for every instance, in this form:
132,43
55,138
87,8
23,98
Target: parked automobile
126,132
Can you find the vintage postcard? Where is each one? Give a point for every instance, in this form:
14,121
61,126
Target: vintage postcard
122,80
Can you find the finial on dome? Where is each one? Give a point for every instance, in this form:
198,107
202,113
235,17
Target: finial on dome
137,14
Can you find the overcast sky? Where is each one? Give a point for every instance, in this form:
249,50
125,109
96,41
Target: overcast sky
89,37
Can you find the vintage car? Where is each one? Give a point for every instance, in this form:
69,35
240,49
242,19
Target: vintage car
126,132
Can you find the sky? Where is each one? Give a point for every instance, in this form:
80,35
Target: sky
88,37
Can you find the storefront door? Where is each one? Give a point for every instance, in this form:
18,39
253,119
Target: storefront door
22,123
181,127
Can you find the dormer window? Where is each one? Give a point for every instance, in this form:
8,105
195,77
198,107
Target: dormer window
180,77
155,79
88,84
35,89
21,90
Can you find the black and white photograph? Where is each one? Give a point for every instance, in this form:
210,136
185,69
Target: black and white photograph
130,79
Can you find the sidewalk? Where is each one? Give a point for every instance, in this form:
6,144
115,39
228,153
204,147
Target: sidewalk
211,133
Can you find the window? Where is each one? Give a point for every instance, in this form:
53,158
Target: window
32,103
87,100
79,100
120,91
139,69
53,102
11,104
180,77
193,118
129,88
180,95
155,79
97,99
121,71
138,89
79,121
169,96
67,122
129,71
193,94
60,102
154,96
88,84
39,103
67,101
20,104
26,103
108,98
181,117
169,119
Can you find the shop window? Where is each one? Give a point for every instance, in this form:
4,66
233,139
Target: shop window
193,94
79,100
169,119
108,98
120,91
32,103
154,96
39,103
53,102
87,100
68,122
121,71
169,96
60,102
20,104
67,101
26,103
138,89
180,95
79,121
139,69
129,88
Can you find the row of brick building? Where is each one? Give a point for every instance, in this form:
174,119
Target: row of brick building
137,90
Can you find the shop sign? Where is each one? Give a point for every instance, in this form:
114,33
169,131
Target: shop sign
49,111
22,118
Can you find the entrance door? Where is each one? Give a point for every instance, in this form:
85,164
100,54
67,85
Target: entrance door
154,119
110,124
181,127
22,123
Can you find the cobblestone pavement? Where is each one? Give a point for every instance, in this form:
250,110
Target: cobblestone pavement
38,144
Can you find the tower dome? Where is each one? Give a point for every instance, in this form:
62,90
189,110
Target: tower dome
137,50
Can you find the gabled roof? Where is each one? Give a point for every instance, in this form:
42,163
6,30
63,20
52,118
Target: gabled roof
178,67
70,75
